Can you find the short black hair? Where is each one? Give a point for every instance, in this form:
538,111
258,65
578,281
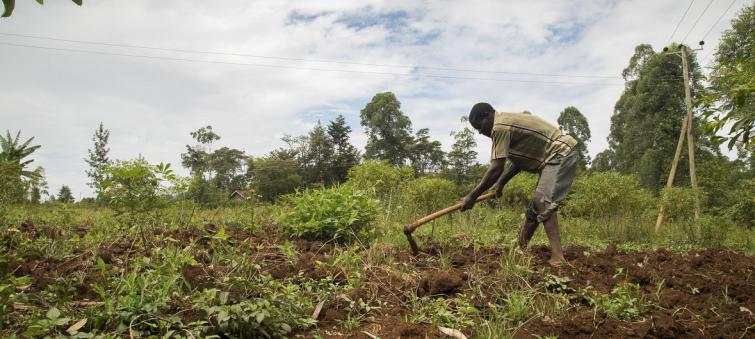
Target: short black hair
480,110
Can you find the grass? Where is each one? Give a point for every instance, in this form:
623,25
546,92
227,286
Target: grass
142,291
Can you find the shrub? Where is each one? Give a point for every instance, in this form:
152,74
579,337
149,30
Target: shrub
425,195
518,191
743,210
679,203
709,231
625,301
338,213
607,195
379,178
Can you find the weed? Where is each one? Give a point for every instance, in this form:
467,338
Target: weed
625,301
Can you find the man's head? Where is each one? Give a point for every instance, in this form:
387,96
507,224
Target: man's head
481,117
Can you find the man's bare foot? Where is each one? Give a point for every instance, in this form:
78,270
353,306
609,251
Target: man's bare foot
558,262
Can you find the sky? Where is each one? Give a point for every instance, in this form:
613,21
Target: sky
153,71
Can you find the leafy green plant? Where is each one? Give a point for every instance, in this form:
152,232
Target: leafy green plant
425,195
679,202
518,191
453,313
607,195
338,213
47,325
380,179
625,302
275,309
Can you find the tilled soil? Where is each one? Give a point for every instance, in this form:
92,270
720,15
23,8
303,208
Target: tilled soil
707,293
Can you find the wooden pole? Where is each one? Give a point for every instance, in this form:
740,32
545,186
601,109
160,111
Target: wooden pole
690,137
678,151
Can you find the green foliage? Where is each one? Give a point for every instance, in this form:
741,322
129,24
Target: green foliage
11,187
339,213
572,122
518,191
425,195
607,195
730,98
454,313
647,118
274,310
272,177
710,231
65,195
317,158
743,208
14,151
462,157
136,187
426,156
679,203
10,5
389,131
380,179
48,325
625,302
142,292
346,155
98,159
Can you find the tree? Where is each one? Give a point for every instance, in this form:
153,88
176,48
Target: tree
389,131
65,195
318,157
12,189
345,154
463,156
730,98
604,161
426,155
647,118
10,5
573,123
228,167
272,177
98,158
14,151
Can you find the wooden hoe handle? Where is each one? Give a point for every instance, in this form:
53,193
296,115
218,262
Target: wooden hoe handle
411,227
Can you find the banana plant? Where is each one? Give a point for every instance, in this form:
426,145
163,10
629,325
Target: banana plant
11,4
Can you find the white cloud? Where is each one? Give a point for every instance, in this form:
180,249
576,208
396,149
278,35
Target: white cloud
151,105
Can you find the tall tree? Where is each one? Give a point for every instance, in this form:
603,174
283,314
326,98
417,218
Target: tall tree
98,158
648,117
65,195
345,154
730,99
227,165
426,155
463,156
318,156
197,157
389,131
573,123
272,177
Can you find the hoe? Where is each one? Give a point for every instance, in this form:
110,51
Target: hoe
409,229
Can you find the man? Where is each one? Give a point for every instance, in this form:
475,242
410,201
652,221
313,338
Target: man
533,145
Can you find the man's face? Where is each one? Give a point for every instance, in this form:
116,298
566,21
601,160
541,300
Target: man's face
483,125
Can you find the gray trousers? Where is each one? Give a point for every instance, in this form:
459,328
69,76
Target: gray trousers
554,183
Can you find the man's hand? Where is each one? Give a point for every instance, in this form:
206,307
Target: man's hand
467,203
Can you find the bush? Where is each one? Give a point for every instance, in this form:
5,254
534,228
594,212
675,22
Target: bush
743,210
338,213
709,231
380,179
425,195
608,195
679,203
518,191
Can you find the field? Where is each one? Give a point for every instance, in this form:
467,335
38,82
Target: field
234,272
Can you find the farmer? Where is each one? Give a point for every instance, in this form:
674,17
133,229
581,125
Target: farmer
533,145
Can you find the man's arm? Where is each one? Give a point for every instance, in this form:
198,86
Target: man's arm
491,176
505,177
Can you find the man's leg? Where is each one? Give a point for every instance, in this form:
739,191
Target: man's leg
554,238
530,221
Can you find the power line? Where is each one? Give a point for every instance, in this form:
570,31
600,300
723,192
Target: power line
680,21
438,76
719,19
698,20
304,59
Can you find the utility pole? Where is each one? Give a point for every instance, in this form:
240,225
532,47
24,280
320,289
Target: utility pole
686,130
